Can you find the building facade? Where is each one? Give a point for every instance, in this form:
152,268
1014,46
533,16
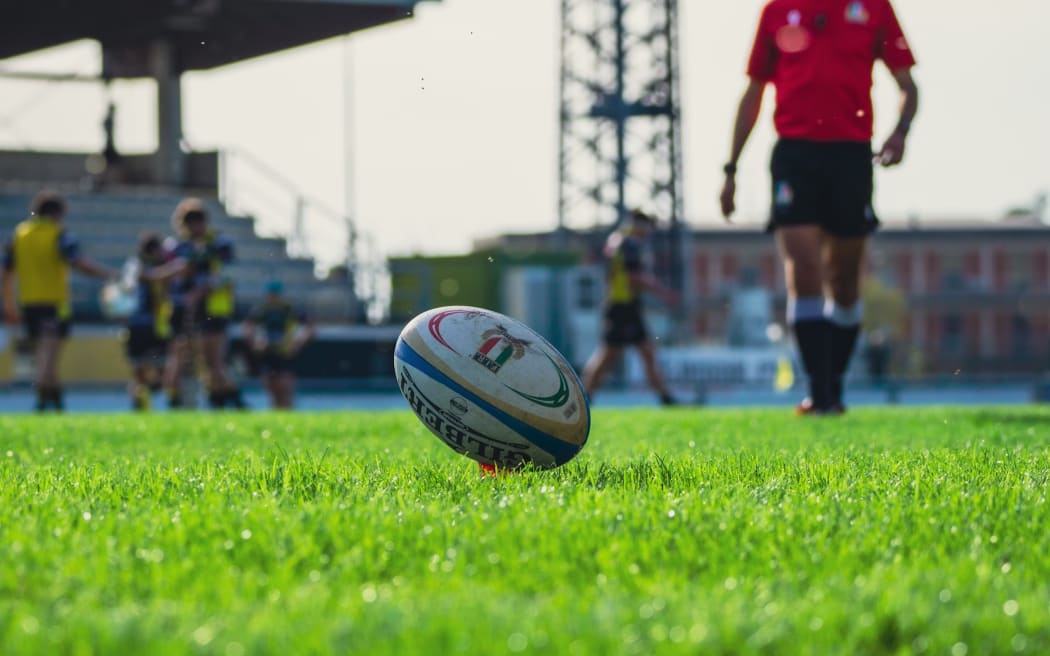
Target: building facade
966,297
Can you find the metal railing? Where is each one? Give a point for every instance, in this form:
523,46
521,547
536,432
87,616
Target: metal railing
249,186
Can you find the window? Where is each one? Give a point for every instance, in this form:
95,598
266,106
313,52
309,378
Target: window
952,337
586,292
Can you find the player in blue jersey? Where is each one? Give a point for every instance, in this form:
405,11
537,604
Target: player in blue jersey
202,306
148,332
276,332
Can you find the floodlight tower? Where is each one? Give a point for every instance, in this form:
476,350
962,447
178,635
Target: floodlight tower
620,144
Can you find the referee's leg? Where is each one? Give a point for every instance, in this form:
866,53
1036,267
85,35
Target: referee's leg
801,247
844,260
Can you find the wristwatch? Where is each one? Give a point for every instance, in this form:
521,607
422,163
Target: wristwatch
729,168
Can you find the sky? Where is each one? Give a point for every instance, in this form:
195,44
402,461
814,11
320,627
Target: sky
442,129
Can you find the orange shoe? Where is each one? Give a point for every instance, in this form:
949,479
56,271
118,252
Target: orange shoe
808,409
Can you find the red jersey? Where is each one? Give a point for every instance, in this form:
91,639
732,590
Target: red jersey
819,55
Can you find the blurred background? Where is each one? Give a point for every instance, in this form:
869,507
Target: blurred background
381,157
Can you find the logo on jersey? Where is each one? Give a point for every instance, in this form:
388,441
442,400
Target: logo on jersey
856,13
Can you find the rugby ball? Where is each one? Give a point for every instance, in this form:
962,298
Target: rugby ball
117,301
491,388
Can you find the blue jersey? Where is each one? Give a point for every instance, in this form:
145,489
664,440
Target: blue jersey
153,306
206,258
278,321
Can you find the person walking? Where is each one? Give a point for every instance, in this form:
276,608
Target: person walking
819,56
623,319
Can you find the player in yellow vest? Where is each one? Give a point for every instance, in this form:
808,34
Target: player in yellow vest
623,321
39,257
203,305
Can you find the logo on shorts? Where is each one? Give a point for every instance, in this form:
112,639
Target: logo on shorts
784,195
856,13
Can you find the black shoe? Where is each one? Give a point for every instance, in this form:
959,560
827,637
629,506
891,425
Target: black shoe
667,400
236,398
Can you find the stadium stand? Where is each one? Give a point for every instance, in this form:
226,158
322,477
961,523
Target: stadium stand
108,224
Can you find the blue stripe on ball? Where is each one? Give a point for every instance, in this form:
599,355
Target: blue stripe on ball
562,451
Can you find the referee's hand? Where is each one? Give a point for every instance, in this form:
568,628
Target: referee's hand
892,151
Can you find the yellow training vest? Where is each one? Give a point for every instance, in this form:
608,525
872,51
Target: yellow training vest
43,274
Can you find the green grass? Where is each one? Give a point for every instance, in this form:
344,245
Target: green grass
678,531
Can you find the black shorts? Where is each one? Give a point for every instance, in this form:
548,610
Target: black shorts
271,362
181,324
829,184
44,321
144,347
623,325
179,321
213,325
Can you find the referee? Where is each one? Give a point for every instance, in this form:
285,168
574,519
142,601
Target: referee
819,56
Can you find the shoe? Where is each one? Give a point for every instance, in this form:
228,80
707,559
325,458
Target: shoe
668,400
808,409
236,398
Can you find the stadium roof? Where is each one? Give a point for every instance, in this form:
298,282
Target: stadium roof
204,33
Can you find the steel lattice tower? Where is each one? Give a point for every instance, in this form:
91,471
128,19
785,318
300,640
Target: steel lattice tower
620,144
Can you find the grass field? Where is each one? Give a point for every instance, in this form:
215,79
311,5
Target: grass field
679,531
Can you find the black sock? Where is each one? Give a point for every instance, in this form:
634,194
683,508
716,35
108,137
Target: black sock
237,398
843,341
57,399
42,394
216,399
813,337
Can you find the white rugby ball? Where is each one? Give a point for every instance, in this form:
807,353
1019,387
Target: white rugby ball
117,301
491,388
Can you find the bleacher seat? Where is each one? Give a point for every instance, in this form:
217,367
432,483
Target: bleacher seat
108,225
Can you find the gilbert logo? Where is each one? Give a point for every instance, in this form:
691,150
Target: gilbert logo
499,347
